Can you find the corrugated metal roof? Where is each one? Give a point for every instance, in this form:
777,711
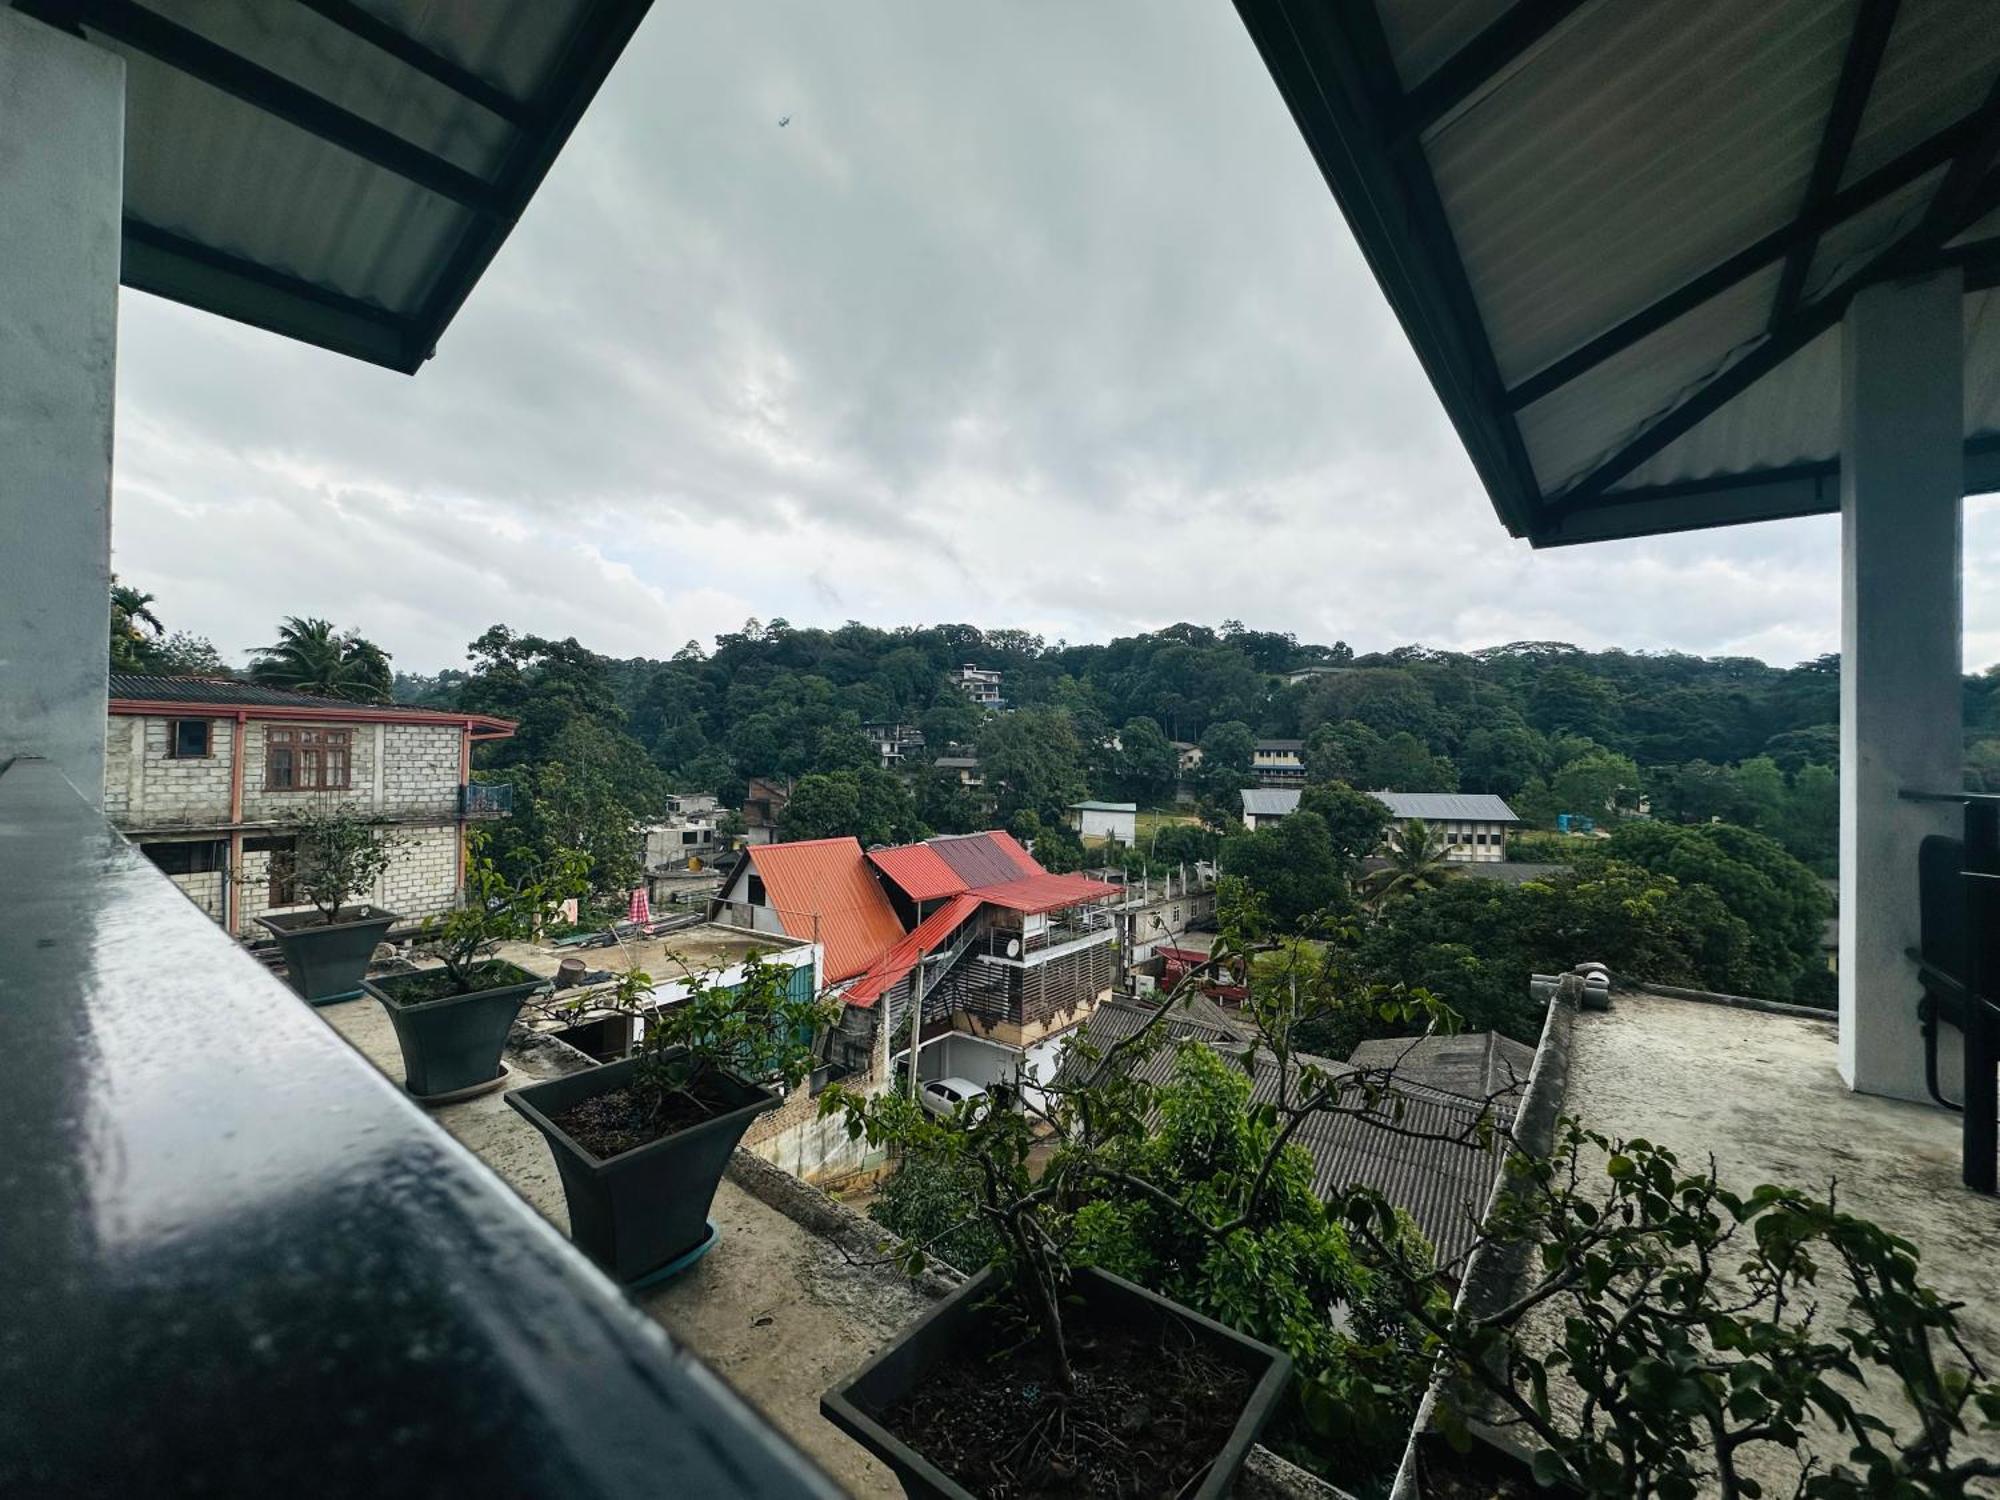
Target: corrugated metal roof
228,692
1044,893
824,888
931,933
1270,801
1586,227
1130,807
1453,807
1441,1183
981,859
1475,1065
341,173
918,871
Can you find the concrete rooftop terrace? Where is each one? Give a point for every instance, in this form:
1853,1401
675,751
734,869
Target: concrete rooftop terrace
792,1297
1760,1091
705,946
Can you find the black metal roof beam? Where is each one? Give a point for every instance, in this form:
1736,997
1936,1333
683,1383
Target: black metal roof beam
1865,46
1939,150
1477,64
1914,252
195,55
1958,199
406,49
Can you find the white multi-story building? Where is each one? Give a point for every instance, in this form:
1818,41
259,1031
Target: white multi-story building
205,775
1473,825
980,685
1279,762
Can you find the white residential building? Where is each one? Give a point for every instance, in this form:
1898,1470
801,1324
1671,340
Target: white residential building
1279,762
980,684
1473,824
1106,820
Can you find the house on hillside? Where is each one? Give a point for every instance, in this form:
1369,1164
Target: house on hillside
1187,757
965,768
205,775
1473,825
1105,820
1278,762
893,743
764,801
981,685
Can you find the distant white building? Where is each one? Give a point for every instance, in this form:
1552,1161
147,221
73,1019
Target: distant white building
1473,824
1188,755
980,685
1279,762
1106,820
893,743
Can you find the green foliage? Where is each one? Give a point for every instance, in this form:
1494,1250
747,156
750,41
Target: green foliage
1707,1332
1293,867
870,804
931,1200
1033,762
493,909
1417,860
336,854
311,656
140,643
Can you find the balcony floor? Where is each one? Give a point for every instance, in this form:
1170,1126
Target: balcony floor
1761,1093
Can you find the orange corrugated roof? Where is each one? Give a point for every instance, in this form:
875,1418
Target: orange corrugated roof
829,879
918,871
1039,893
929,934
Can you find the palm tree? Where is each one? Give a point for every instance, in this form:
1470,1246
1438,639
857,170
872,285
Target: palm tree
312,657
129,613
1418,861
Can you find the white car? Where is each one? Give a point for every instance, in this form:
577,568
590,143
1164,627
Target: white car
942,1096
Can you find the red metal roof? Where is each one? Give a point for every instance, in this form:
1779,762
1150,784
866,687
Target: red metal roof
918,872
931,933
1040,893
829,880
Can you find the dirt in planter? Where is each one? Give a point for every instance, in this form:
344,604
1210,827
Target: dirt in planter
625,1119
1150,1413
435,984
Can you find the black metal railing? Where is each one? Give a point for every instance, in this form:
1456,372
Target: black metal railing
485,799
283,1277
1958,962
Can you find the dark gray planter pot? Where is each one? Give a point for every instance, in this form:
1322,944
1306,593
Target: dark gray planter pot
643,1209
451,1047
959,1322
323,963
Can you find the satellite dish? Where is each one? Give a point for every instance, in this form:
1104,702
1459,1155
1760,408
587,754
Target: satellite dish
1013,947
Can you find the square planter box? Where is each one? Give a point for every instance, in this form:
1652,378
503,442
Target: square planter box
959,1322
325,963
642,1210
452,1045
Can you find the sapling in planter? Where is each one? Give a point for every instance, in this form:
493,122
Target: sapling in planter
336,855
452,1020
642,1143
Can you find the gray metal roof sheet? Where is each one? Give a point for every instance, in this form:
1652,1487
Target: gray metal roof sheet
1270,801
1447,807
1619,235
340,171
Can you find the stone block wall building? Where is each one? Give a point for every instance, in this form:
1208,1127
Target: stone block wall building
206,775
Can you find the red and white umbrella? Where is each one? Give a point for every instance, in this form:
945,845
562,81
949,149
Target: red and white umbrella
641,910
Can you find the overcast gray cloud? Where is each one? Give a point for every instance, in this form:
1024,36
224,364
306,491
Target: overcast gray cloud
1035,315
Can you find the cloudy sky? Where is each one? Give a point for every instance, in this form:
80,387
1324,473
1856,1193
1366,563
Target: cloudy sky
1035,315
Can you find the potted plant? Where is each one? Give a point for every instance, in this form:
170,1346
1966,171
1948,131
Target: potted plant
336,855
452,1020
641,1143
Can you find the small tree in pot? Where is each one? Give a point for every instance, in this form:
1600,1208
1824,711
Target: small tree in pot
452,1020
336,855
641,1143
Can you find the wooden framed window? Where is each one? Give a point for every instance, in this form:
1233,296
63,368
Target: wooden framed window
187,739
307,760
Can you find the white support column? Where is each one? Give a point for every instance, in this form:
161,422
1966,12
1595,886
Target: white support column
62,156
1902,483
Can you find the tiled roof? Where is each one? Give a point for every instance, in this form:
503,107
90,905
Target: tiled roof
824,888
928,935
1270,801
918,871
981,859
1476,1065
1447,807
1040,893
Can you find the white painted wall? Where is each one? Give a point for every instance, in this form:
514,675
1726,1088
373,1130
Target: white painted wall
62,162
